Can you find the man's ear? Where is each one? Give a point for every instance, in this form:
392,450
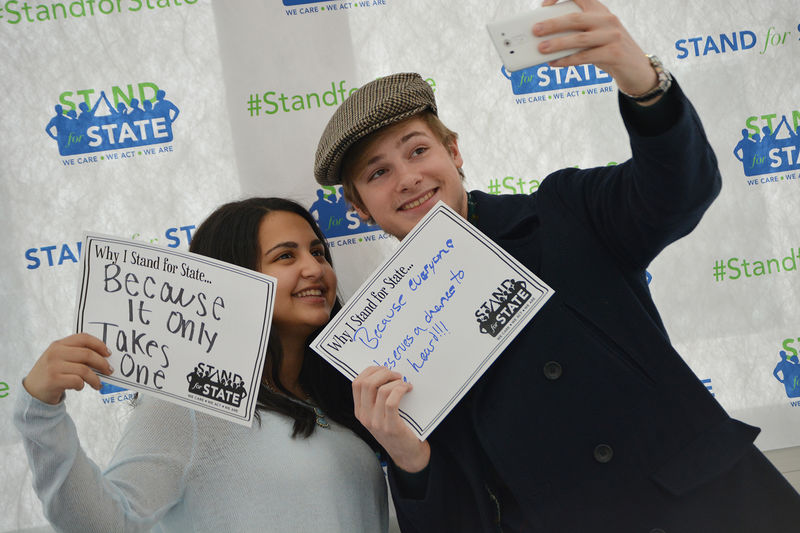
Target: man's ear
455,153
362,213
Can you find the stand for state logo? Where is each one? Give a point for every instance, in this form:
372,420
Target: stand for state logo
335,215
130,123
787,371
217,384
505,302
774,149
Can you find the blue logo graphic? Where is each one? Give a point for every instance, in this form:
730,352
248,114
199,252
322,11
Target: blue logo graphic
108,388
787,371
125,126
764,153
335,216
112,394
539,78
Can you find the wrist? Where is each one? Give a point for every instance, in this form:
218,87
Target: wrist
663,81
49,399
415,460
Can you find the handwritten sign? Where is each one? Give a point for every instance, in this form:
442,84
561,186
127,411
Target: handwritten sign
188,328
440,310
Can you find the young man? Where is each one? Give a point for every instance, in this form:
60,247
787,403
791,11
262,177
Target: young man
589,421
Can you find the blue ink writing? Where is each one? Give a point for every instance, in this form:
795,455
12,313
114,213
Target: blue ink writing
430,268
429,313
438,330
373,341
397,353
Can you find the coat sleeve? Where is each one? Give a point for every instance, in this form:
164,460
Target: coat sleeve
444,501
145,478
658,196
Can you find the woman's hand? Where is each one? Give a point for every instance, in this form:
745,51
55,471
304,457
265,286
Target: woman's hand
67,364
377,392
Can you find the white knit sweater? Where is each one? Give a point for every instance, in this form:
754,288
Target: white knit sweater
178,470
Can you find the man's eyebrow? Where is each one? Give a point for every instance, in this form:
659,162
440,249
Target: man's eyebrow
372,160
404,139
408,136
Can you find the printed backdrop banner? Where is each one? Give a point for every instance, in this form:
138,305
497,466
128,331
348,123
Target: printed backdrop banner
138,117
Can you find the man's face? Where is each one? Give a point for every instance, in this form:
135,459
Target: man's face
402,172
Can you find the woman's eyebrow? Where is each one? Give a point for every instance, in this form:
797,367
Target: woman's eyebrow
294,245
287,244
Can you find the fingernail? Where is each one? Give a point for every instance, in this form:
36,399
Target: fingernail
108,352
537,28
545,46
110,369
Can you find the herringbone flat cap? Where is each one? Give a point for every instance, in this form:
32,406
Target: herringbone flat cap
377,104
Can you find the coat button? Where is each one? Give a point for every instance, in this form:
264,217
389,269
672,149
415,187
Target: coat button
552,370
603,454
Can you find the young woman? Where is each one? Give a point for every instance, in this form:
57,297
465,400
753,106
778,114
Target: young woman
302,467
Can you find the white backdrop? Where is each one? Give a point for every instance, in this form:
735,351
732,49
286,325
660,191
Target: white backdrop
252,85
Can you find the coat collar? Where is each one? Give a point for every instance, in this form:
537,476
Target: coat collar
498,215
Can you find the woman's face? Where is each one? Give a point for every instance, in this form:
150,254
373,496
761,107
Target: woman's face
293,254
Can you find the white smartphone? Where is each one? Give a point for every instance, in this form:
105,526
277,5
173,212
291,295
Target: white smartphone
518,47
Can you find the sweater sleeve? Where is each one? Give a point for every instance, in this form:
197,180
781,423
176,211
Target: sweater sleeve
144,480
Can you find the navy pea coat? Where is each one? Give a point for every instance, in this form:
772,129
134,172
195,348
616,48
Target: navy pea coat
590,420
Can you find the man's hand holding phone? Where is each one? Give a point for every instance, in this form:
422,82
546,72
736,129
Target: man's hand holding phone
580,32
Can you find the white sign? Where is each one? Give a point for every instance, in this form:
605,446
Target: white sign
190,329
440,310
